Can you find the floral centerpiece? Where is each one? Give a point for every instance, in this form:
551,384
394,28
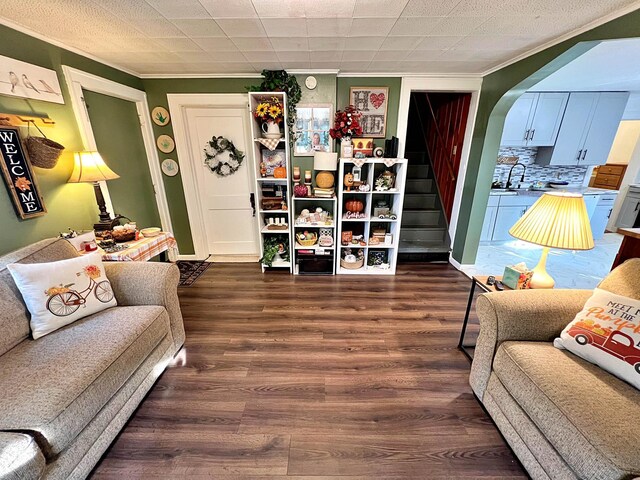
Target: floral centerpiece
346,123
269,111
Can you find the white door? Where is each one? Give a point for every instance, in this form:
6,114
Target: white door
227,214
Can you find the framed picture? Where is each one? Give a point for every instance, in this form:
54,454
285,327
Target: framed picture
372,102
313,122
363,145
273,159
24,80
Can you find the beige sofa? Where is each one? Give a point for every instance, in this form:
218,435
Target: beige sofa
564,418
65,396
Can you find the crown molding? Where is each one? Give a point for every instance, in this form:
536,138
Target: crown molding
168,76
409,75
573,33
77,51
314,71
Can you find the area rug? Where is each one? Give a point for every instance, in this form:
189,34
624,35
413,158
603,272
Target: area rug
190,271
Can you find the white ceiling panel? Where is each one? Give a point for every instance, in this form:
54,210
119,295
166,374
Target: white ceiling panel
246,36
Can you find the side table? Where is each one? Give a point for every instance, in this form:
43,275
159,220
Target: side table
481,282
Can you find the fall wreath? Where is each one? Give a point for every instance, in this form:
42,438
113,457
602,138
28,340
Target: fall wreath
219,164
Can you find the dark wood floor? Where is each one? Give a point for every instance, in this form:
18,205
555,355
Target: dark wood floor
316,377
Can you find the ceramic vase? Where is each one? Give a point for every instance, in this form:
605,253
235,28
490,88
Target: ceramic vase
346,148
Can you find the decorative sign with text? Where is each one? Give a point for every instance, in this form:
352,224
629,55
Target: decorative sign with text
372,103
17,173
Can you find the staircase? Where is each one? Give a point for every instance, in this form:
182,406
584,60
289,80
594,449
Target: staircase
423,234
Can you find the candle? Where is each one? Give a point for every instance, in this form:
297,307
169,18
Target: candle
307,176
296,174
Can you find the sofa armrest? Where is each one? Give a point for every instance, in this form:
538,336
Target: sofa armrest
149,283
529,315
20,457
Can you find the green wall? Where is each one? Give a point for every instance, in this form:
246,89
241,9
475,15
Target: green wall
499,92
68,205
122,148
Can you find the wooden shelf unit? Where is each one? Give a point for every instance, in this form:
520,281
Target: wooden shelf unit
371,169
263,215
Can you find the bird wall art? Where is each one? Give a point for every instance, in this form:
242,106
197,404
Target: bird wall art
25,80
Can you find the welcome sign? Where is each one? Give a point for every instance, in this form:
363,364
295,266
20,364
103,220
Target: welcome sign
18,176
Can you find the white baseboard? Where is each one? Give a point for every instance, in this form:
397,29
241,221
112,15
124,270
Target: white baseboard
233,258
458,265
188,257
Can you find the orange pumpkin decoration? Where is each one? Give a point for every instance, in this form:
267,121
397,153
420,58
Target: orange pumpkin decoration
354,205
279,172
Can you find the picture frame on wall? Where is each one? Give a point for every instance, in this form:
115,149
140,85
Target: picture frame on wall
313,122
372,103
25,80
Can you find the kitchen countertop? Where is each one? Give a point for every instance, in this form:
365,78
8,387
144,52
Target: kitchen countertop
538,193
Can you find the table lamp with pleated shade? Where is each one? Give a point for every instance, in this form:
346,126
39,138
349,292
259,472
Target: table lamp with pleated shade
556,220
89,167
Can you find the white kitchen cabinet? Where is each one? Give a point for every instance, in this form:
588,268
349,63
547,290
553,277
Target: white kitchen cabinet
489,224
588,128
534,119
506,218
630,209
599,220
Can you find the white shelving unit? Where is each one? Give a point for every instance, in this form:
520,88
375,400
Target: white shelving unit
371,169
321,253
263,215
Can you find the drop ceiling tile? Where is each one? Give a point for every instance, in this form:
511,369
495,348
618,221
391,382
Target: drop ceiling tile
379,8
157,27
260,44
400,43
128,9
241,27
354,66
285,27
454,26
329,8
496,42
215,44
293,56
429,8
326,56
438,43
333,65
178,44
371,27
427,55
229,8
387,67
470,55
279,8
179,8
228,57
204,27
363,43
328,27
290,43
256,57
524,25
150,57
236,67
326,43
198,57
390,55
358,55
296,65
259,66
414,26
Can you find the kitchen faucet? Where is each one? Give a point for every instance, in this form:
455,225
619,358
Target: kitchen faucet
524,170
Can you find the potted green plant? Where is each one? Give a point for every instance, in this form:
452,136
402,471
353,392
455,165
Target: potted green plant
273,246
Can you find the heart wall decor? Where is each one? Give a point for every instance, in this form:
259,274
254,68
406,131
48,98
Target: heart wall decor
371,103
377,99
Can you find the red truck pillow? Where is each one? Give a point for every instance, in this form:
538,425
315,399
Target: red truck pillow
607,332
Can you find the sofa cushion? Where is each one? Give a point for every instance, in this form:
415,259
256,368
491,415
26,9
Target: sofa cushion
20,457
14,319
54,386
589,416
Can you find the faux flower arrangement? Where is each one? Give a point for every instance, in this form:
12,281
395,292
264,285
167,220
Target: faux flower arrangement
269,111
346,123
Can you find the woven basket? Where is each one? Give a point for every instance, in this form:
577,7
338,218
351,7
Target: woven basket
352,265
309,242
44,153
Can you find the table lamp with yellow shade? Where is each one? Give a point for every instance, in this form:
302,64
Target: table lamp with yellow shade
556,220
327,163
89,167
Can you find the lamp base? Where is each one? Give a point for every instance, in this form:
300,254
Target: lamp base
540,277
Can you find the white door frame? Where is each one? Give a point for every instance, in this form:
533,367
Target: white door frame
178,103
443,84
77,80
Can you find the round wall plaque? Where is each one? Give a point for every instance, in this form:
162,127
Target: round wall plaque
160,116
165,144
170,167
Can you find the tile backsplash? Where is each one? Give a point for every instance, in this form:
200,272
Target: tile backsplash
536,173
